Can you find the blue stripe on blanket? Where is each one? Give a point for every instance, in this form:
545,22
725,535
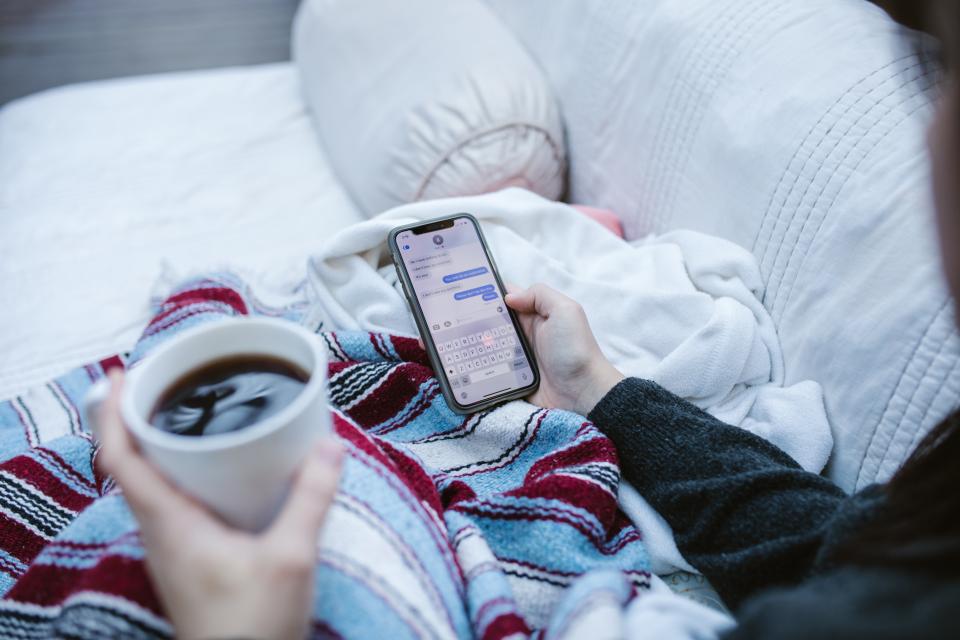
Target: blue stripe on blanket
10,569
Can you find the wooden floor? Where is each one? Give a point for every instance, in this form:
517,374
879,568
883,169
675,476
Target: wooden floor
46,43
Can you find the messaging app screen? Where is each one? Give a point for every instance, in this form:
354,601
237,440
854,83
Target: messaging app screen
466,316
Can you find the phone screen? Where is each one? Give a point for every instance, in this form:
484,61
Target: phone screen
463,308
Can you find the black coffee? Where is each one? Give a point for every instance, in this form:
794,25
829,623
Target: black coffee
228,395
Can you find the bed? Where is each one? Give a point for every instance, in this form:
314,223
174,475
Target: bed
794,130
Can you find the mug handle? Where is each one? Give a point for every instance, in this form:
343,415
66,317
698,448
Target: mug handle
95,396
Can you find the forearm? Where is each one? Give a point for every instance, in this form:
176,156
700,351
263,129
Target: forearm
743,512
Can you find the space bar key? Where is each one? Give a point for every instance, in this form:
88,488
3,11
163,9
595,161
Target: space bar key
486,374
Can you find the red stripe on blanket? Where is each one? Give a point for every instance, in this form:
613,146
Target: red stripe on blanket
185,298
402,383
63,466
422,404
500,602
201,297
113,362
50,585
577,493
455,492
621,522
18,540
31,472
599,449
409,349
335,367
582,491
195,310
505,626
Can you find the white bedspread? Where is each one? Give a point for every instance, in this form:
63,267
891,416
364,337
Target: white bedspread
103,183
681,309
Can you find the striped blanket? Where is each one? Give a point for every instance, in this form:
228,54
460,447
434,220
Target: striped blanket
500,524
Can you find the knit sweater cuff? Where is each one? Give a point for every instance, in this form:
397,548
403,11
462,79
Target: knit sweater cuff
641,416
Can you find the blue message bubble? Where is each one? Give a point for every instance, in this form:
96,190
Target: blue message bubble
477,291
490,295
463,275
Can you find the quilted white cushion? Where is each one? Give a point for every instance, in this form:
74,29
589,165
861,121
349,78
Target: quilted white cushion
797,130
425,99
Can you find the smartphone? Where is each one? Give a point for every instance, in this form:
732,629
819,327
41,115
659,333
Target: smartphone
474,341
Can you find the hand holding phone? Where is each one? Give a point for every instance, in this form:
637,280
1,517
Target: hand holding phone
574,373
472,337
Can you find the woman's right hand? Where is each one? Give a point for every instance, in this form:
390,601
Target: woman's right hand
574,373
215,581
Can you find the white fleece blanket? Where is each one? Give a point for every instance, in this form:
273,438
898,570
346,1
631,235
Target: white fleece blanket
681,309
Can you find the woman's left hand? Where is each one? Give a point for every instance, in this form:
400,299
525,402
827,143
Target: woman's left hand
215,581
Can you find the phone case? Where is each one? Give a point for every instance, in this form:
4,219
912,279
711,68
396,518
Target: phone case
435,360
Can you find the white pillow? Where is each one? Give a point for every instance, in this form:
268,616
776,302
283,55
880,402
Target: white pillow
425,99
795,129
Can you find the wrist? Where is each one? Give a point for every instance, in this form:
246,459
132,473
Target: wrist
598,382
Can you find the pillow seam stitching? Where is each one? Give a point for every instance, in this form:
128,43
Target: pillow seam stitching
465,140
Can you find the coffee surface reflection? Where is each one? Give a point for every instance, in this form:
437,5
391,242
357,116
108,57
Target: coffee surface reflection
228,395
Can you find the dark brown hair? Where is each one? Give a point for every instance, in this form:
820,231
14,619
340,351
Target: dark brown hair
918,526
937,18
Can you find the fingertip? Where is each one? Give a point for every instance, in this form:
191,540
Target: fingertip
109,423
519,302
320,472
314,490
110,408
329,450
113,449
115,376
117,450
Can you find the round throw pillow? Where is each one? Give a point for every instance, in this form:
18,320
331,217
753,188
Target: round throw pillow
426,99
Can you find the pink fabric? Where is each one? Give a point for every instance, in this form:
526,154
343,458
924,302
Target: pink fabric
604,217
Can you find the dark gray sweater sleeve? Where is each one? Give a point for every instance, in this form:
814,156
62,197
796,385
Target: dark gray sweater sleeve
743,512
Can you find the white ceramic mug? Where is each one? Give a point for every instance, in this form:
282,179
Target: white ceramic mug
244,475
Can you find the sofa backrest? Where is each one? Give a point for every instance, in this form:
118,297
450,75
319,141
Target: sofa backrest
797,130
